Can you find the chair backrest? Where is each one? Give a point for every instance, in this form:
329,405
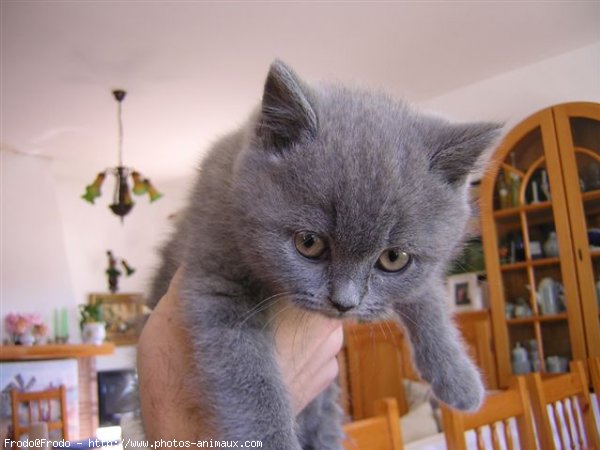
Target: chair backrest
381,432
568,398
38,407
493,420
378,358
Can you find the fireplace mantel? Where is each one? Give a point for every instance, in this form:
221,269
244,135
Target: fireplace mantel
54,351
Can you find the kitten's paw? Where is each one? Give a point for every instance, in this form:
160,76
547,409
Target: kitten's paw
461,389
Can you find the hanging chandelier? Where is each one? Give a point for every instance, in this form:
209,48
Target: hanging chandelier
122,199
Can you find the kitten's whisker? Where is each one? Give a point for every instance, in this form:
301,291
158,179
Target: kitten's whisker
405,317
275,315
304,323
379,322
262,305
394,340
299,323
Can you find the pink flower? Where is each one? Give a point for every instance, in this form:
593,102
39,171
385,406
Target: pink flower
10,322
22,323
35,319
16,323
40,330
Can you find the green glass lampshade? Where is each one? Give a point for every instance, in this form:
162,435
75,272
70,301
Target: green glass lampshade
152,192
92,191
139,187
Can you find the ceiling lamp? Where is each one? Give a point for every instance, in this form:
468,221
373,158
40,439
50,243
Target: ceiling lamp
122,200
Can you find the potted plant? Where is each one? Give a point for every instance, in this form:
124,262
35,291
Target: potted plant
91,322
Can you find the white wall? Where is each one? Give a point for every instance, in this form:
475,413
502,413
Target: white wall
34,272
513,96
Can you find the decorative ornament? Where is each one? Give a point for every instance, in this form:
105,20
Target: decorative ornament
113,273
122,200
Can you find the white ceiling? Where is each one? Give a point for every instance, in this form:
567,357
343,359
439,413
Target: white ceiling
193,70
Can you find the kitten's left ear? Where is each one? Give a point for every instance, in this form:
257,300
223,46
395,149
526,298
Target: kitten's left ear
459,149
286,116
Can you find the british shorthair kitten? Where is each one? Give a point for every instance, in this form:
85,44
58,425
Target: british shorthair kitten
340,201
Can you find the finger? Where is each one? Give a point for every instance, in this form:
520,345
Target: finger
300,334
308,386
322,356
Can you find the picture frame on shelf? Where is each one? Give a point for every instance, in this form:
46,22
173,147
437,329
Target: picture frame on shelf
464,292
124,315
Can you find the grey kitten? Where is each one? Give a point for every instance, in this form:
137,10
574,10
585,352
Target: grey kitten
351,204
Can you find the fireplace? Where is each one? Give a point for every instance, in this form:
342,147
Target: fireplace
117,395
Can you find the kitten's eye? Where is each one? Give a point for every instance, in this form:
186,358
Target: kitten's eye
393,260
309,244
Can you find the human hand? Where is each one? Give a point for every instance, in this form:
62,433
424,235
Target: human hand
306,346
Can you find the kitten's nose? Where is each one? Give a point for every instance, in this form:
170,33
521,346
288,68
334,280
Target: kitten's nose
340,307
345,296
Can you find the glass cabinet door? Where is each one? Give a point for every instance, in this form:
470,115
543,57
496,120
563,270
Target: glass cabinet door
529,260
578,134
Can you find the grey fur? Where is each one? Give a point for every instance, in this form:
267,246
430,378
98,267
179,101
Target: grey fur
365,172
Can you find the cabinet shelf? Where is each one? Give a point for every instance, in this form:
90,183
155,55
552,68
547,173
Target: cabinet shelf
532,263
591,195
514,211
540,318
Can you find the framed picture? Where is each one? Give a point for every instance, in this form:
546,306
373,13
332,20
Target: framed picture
464,292
124,315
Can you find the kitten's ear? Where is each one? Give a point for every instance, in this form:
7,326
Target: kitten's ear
286,115
459,149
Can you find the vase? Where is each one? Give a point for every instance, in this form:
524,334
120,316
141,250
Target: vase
551,245
520,360
93,333
26,339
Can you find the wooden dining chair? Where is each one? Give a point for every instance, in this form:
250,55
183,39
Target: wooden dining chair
378,359
568,398
493,419
39,406
381,432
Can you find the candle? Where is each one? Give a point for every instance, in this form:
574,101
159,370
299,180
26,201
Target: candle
64,325
56,325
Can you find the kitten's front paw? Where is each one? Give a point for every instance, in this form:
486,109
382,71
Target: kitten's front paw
461,388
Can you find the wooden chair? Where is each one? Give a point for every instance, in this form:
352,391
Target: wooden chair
574,418
39,407
378,358
495,415
381,432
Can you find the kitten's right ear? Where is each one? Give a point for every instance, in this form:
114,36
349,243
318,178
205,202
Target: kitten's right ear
459,149
286,115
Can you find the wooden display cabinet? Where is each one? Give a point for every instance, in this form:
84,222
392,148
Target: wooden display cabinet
544,178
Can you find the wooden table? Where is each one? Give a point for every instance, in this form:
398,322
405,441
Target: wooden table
87,379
